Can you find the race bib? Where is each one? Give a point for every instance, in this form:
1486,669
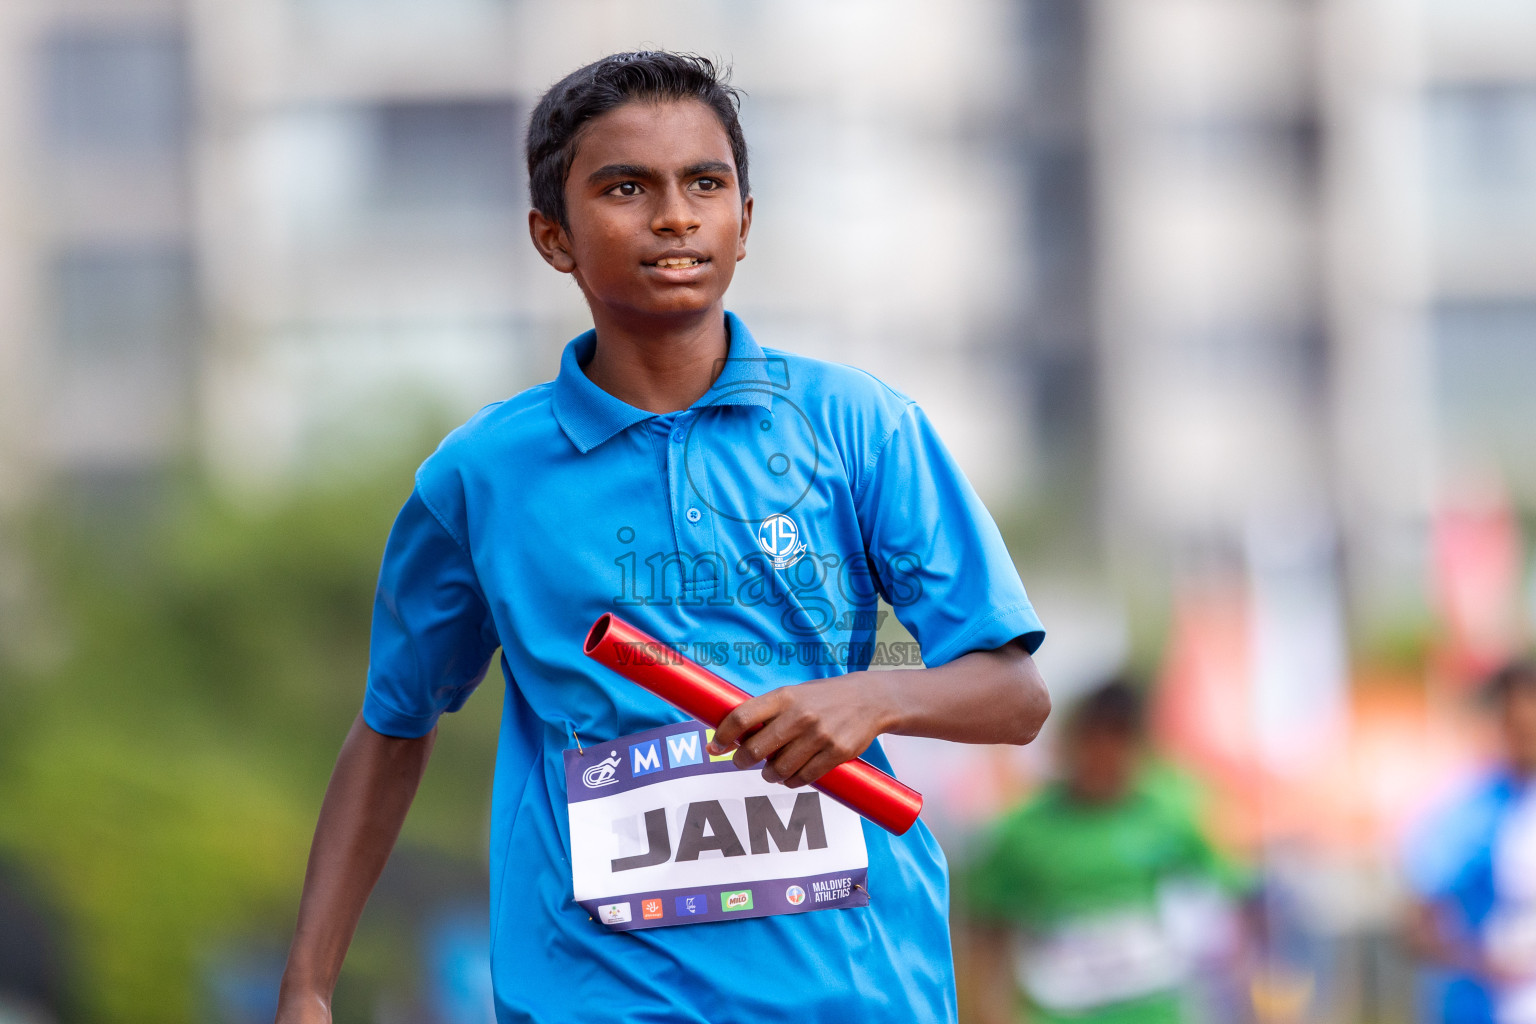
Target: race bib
664,834
1092,962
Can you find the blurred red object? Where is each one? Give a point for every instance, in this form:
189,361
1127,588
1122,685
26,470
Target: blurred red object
1398,749
1478,560
1204,708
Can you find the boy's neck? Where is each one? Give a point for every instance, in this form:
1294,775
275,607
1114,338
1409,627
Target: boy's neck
659,366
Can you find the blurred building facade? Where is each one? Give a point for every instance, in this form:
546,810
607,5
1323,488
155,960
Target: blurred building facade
1313,270
1213,355
1476,71
98,289
274,234
1194,264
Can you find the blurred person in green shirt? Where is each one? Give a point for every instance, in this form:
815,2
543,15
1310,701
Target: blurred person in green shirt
1092,898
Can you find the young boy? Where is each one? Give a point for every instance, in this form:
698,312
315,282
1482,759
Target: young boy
1069,891
749,503
1471,870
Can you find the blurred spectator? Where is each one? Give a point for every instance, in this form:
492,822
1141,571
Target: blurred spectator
1472,869
31,965
1092,899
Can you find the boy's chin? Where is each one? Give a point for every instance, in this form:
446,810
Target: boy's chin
674,304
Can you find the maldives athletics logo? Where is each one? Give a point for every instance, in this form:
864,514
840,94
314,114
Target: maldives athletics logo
779,537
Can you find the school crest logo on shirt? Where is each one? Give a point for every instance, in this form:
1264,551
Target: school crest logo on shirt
779,537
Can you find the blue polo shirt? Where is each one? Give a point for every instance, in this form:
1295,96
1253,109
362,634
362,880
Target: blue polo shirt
1449,863
762,523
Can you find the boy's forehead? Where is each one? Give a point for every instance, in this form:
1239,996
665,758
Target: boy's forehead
653,133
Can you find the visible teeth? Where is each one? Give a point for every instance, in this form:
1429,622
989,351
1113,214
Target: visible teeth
679,261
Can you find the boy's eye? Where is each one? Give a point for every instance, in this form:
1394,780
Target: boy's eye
626,188
707,184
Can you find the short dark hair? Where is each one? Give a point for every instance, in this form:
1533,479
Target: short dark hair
1516,675
554,127
1116,706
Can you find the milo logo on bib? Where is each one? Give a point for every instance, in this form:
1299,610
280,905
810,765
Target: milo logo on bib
663,834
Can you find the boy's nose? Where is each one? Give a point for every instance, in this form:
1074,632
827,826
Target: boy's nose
674,214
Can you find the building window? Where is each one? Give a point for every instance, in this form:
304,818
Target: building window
122,302
1485,362
447,156
115,89
1482,156
370,12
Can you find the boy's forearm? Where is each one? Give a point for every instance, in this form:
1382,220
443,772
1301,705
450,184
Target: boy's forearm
371,789
803,731
994,696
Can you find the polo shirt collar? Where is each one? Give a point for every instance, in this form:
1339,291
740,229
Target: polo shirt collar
589,415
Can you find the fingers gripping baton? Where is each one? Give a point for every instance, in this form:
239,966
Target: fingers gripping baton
699,692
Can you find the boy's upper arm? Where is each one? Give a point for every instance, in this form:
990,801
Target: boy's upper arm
939,557
433,635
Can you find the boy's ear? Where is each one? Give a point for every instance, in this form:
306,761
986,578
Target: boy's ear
552,242
746,225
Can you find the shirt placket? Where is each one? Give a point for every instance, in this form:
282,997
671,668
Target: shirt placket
693,522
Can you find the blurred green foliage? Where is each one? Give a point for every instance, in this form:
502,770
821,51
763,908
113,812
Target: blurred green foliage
163,759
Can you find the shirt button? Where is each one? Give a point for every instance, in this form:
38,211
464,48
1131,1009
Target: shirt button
694,515
678,435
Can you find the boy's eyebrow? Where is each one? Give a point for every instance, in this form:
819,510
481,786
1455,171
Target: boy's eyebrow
607,171
708,167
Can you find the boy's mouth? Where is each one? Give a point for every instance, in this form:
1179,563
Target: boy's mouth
679,262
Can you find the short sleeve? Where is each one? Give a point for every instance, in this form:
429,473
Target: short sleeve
938,555
433,636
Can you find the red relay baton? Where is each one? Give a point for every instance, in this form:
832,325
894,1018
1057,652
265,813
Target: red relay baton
704,695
